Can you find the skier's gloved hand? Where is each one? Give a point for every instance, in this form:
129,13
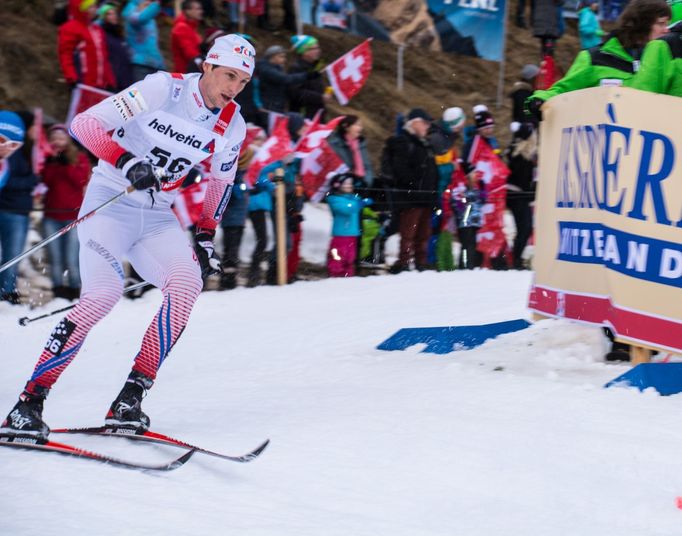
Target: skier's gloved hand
140,172
208,258
533,108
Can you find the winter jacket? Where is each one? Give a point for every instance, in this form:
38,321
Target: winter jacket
185,41
521,90
520,182
346,209
343,150
661,67
546,19
82,43
273,84
588,28
415,174
16,196
142,33
607,64
237,208
66,187
119,56
307,97
260,197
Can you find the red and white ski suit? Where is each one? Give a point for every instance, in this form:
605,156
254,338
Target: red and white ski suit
164,119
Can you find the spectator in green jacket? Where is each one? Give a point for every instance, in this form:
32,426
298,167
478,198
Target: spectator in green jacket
616,60
661,68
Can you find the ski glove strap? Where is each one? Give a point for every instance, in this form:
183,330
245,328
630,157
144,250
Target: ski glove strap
140,172
209,261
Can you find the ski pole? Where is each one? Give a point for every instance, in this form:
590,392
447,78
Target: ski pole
66,229
24,320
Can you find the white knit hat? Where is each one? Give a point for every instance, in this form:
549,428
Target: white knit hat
454,117
232,51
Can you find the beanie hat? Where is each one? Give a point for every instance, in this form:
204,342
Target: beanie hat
419,113
301,43
232,51
11,126
454,118
338,180
273,51
529,72
85,5
103,10
482,116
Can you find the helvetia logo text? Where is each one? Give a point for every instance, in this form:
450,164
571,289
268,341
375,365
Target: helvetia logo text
170,131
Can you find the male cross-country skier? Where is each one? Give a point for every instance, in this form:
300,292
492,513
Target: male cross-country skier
149,135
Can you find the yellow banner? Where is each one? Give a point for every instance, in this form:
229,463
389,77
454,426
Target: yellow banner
608,222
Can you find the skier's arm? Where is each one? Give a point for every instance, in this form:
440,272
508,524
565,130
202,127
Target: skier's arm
221,178
93,127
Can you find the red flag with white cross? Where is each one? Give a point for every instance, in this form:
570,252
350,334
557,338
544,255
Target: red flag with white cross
314,135
317,170
276,147
349,73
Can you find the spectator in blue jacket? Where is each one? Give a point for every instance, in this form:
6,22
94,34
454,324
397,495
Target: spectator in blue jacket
346,207
588,25
16,199
143,36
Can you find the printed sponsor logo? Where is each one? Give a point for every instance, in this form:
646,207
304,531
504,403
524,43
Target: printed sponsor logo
177,91
244,51
209,147
223,203
197,99
123,107
227,166
59,336
169,130
101,250
213,56
236,148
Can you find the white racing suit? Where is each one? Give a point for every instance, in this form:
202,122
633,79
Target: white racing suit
164,119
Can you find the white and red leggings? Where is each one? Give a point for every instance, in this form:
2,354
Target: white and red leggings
149,236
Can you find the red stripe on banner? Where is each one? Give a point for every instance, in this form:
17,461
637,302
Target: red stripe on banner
634,326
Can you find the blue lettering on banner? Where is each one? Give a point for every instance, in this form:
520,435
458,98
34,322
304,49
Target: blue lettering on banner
591,171
649,259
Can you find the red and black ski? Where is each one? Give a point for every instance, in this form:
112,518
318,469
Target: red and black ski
34,443
155,437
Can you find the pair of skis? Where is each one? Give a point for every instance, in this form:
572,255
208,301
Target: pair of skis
47,445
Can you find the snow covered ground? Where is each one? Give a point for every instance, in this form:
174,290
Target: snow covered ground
516,437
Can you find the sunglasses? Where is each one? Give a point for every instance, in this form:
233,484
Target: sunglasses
9,144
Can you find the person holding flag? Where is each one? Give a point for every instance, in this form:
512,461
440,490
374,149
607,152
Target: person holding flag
311,95
147,138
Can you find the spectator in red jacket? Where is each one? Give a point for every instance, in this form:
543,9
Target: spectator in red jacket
185,36
64,179
82,48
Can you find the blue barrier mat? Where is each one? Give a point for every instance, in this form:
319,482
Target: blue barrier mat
666,378
450,338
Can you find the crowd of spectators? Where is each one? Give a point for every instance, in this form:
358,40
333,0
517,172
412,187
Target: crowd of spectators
427,188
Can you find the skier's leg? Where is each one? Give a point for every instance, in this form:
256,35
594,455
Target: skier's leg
104,239
164,258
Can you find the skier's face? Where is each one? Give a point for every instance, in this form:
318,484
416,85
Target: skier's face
219,85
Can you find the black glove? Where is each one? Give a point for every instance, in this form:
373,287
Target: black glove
533,107
208,258
140,172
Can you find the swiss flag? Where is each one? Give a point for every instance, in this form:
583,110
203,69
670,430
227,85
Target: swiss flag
317,170
276,147
490,239
189,203
349,73
82,98
315,134
41,148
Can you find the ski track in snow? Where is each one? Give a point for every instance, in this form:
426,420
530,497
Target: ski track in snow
516,437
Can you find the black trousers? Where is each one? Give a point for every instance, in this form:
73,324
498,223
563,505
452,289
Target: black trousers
259,220
232,239
523,217
469,257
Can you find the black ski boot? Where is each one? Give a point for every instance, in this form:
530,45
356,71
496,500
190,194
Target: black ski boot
26,417
126,410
